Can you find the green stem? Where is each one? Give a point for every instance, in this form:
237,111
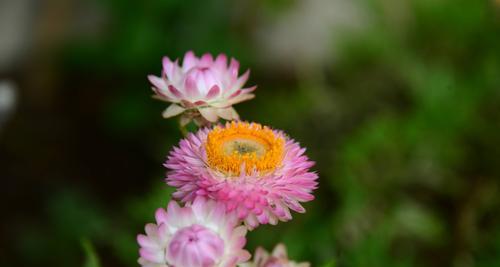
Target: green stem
183,129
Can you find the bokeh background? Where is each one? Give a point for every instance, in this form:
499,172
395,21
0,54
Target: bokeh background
397,102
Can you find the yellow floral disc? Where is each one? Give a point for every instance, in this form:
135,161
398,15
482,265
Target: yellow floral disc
240,143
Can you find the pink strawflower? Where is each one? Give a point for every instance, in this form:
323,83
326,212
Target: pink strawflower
257,172
197,235
201,86
278,258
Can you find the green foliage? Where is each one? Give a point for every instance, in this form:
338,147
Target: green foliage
330,264
91,257
403,126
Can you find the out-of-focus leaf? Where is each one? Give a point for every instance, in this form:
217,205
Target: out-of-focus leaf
91,258
329,264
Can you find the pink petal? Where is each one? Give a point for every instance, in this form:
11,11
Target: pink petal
233,68
174,91
151,255
168,67
160,215
209,79
244,256
200,103
235,94
191,87
157,82
242,79
249,90
261,256
173,208
221,62
145,241
189,61
213,92
206,60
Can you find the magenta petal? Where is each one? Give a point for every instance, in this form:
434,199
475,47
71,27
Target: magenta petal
174,91
200,103
235,94
206,60
213,92
221,61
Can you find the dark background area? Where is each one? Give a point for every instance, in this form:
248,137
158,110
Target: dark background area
396,101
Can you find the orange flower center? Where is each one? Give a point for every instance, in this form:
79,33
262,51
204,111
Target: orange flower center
240,144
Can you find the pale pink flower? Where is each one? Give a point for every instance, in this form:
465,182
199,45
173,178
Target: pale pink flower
201,86
278,258
258,173
197,235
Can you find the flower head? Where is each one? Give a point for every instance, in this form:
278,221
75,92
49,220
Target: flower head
257,172
278,258
203,88
197,235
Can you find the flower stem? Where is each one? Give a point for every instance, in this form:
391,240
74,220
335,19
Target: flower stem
183,129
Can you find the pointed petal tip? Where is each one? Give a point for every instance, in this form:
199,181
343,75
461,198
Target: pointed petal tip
152,78
166,59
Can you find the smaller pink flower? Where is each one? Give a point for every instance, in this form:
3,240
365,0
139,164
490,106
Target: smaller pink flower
197,235
202,88
278,258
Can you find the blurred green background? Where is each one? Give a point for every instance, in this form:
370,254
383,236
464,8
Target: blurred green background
397,102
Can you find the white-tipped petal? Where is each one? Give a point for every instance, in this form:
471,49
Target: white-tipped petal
172,110
209,113
227,113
